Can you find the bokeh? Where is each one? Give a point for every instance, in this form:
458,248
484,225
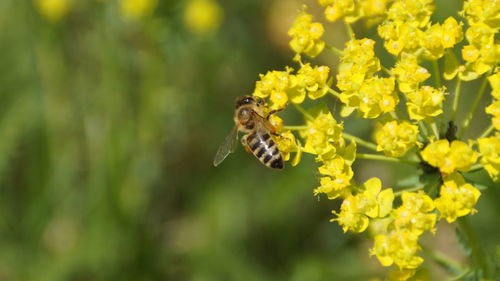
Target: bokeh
110,114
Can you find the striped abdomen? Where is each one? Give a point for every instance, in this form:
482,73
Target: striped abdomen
264,148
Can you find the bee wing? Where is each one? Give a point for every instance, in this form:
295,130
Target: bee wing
228,146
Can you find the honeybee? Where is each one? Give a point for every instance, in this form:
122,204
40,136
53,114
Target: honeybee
249,118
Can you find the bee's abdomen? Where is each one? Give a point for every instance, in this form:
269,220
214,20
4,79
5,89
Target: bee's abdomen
264,148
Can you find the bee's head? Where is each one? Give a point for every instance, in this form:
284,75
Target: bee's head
248,100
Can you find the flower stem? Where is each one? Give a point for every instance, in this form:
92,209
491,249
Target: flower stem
384,158
333,92
336,51
478,256
411,189
295,128
434,128
475,167
456,98
349,31
437,74
487,132
445,261
304,112
474,106
423,130
359,141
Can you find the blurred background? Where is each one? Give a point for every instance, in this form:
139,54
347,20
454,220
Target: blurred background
110,114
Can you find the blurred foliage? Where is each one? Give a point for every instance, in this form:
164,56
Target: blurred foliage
110,113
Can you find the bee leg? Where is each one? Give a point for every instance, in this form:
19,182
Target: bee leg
245,145
275,111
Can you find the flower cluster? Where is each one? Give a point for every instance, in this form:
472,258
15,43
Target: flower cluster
306,35
283,86
361,88
408,132
395,138
482,53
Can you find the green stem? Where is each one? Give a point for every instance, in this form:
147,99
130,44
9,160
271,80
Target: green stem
475,167
304,112
474,106
359,141
295,128
437,74
394,115
336,51
456,98
487,132
423,129
434,128
445,261
411,189
384,158
386,70
478,256
333,92
349,31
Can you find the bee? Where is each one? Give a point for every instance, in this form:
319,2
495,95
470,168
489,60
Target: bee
249,118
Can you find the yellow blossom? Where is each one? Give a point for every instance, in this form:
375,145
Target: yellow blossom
322,135
416,12
490,155
53,10
337,9
495,85
399,247
409,74
314,80
479,11
426,102
395,138
356,210
286,143
376,96
439,37
414,214
456,198
203,16
494,109
333,187
306,35
137,9
280,87
449,157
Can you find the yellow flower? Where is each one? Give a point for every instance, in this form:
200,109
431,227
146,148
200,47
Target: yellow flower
395,138
448,158
286,143
495,85
426,102
376,96
53,10
400,36
322,135
413,214
416,12
306,35
337,9
333,187
494,109
137,9
314,80
203,16
490,152
280,87
478,11
409,74
456,198
399,247
439,37
355,211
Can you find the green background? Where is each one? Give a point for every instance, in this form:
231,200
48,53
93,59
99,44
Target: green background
108,129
